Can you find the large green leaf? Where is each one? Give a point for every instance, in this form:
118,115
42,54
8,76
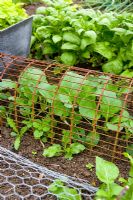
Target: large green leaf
104,49
67,100
75,148
87,108
85,41
43,32
104,21
71,37
106,171
48,49
7,84
71,84
68,58
54,150
56,38
127,73
110,104
92,138
125,117
31,77
113,127
38,134
47,91
114,66
124,34
69,46
91,35
115,189
60,109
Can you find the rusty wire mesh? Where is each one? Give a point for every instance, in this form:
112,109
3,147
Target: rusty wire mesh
80,105
21,179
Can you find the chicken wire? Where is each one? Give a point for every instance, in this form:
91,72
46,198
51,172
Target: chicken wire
109,5
74,105
21,179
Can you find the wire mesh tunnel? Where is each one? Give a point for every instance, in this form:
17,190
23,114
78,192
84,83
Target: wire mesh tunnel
67,105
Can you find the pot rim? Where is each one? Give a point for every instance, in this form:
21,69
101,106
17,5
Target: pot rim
14,25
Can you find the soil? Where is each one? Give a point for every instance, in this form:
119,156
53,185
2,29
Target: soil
76,167
31,8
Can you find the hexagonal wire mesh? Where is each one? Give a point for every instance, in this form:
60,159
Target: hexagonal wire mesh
70,104
21,179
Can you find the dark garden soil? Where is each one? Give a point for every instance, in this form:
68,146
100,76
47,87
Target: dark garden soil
75,167
31,8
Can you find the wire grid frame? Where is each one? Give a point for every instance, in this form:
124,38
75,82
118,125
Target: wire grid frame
21,179
68,105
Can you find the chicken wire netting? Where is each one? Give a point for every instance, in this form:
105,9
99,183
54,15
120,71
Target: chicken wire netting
109,5
21,179
68,106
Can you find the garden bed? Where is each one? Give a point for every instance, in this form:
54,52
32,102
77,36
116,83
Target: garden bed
75,168
95,130
33,149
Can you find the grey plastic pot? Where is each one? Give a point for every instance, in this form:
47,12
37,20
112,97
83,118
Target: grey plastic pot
15,40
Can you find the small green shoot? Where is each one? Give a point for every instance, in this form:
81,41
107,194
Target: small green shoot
90,166
34,153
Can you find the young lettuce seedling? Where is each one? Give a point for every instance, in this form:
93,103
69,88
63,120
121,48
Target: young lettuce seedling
63,192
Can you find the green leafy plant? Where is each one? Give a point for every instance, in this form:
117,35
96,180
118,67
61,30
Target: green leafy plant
5,86
57,150
130,179
63,192
127,73
103,40
18,133
11,13
54,150
74,148
108,173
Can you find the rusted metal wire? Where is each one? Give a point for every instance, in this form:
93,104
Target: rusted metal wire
86,97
